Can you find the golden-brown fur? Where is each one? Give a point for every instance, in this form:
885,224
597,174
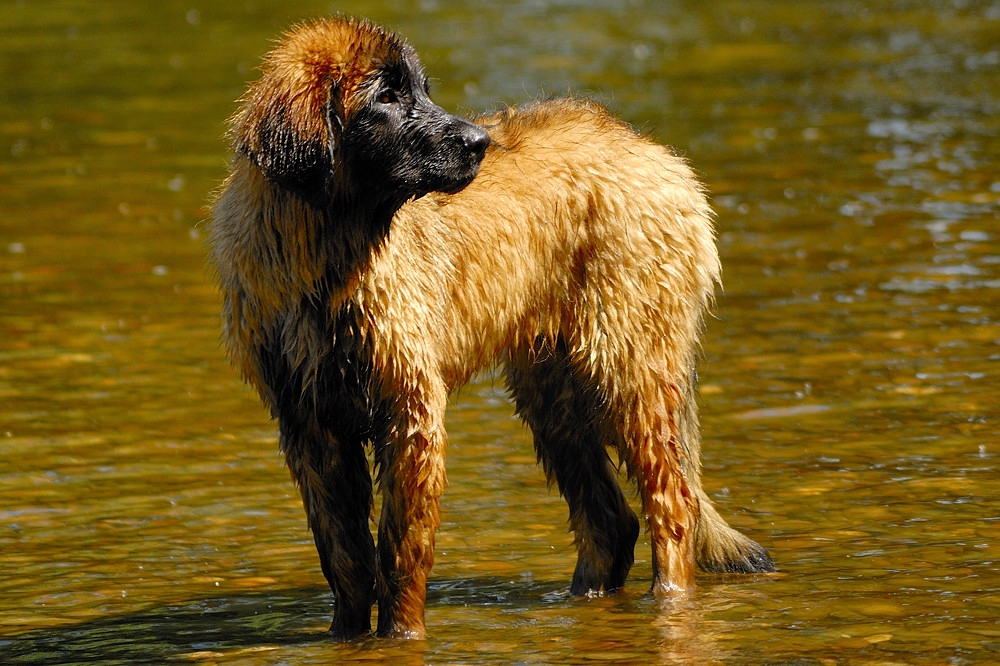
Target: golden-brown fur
581,259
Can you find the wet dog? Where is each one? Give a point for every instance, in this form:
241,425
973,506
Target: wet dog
374,251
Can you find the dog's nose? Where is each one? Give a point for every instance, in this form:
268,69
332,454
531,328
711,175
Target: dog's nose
476,140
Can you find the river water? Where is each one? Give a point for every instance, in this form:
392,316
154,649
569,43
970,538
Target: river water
850,408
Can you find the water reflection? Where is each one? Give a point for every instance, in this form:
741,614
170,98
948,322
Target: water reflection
848,398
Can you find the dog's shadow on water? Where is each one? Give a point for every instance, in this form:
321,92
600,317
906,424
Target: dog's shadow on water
238,623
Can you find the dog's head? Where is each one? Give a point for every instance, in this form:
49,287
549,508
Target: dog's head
342,110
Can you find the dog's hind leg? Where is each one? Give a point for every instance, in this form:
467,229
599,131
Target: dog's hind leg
336,487
564,421
655,453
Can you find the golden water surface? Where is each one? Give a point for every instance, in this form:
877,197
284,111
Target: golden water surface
851,410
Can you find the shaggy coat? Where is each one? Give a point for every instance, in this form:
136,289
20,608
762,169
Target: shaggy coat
367,271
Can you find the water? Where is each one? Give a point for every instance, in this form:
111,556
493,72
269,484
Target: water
850,411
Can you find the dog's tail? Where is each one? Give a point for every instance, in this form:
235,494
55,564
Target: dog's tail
718,547
721,549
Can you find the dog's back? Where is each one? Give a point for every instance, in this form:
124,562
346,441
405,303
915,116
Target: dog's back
594,232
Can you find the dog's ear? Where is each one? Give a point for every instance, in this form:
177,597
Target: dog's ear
289,126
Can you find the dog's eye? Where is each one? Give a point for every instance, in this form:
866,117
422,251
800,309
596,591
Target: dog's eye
387,96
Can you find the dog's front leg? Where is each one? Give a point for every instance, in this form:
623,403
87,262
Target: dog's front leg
412,478
333,476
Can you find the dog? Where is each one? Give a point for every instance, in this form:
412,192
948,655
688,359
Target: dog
373,251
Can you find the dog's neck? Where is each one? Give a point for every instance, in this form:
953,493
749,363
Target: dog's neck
317,250
351,232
